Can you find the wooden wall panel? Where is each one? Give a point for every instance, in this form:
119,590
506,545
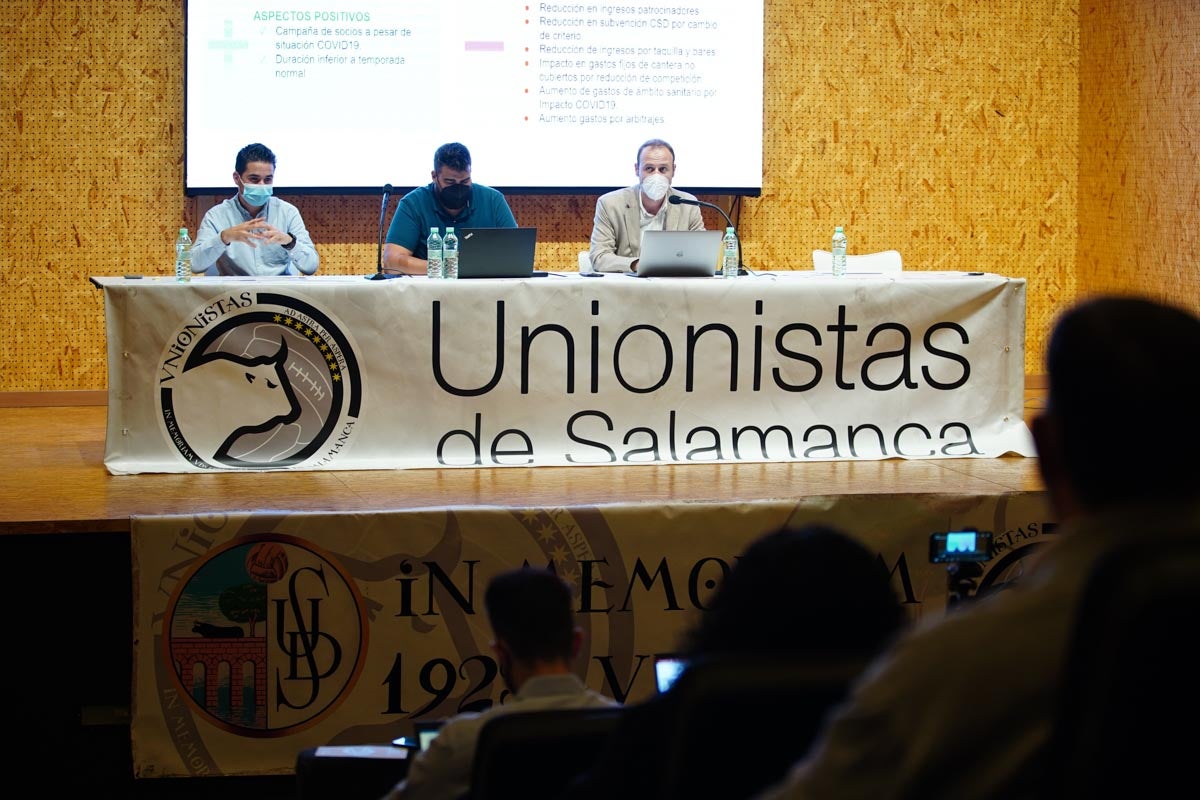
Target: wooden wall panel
947,130
90,174
944,130
1139,186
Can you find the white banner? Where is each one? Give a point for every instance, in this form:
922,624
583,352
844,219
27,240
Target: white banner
345,373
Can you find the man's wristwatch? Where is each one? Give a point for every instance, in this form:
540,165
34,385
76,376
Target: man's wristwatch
292,243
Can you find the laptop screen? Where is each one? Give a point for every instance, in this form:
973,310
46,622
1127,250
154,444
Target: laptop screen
426,732
667,670
496,252
679,254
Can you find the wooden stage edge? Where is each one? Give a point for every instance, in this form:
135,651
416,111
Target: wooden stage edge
55,480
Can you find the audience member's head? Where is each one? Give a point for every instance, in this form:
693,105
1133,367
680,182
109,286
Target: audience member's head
801,591
1118,425
533,623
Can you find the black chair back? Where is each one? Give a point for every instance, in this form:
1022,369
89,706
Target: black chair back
1130,691
743,722
535,754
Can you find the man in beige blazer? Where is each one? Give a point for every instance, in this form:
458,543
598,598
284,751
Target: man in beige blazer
623,215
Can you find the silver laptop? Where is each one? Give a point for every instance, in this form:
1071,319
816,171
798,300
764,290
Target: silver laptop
496,252
680,254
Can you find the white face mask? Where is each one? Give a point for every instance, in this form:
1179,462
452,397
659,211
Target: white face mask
656,187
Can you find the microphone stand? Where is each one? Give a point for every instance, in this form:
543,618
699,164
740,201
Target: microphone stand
379,274
676,200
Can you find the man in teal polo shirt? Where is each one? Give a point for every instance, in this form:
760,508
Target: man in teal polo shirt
450,199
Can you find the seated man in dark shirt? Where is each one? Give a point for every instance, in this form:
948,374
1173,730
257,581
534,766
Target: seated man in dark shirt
451,198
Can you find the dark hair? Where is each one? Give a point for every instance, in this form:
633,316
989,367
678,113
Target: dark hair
530,611
1123,391
453,155
653,143
253,152
811,590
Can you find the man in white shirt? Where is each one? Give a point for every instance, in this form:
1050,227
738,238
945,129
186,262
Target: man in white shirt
535,645
622,216
253,232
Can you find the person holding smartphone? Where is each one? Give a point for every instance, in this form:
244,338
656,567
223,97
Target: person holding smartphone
964,705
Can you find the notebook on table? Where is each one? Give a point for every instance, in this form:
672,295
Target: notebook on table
496,252
680,254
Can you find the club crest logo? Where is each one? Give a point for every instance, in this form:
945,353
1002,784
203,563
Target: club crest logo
266,636
258,380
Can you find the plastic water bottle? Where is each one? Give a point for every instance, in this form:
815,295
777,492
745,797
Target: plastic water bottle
839,251
183,256
434,257
729,259
450,254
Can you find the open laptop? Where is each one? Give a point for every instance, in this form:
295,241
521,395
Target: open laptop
680,254
496,252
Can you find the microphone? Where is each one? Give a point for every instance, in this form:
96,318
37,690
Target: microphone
676,200
379,273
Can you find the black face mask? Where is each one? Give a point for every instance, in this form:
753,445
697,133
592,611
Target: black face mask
455,196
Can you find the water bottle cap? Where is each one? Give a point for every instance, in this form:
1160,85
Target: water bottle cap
449,229
183,231
838,229
729,229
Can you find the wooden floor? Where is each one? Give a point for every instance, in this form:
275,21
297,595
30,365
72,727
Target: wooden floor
54,480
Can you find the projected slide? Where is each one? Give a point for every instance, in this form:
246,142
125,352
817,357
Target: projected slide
547,96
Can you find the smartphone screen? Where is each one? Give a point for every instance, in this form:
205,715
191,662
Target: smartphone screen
965,545
667,670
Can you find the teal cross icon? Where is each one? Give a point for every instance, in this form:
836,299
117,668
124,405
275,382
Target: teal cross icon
228,44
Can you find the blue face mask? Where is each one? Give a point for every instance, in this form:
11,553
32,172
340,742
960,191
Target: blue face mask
256,194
